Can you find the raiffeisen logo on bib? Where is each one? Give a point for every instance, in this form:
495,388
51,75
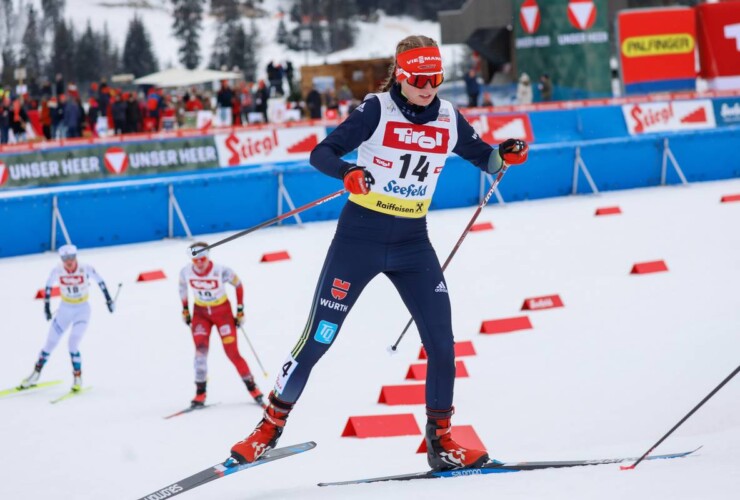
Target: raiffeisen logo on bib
411,137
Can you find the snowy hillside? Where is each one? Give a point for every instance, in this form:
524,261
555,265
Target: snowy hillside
606,375
373,39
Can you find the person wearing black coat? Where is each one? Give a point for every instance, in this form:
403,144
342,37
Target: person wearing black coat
313,103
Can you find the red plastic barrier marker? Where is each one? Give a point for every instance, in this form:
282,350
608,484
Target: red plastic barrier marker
54,292
506,325
482,226
655,266
546,302
403,394
464,348
151,276
730,197
608,211
381,426
275,256
465,435
418,371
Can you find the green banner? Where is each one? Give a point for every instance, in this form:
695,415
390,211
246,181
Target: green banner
568,40
106,161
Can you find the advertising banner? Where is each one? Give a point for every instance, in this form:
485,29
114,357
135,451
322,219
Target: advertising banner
656,49
719,44
494,129
568,40
727,111
671,116
45,167
267,145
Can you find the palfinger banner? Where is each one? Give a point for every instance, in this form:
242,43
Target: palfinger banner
566,39
719,44
656,49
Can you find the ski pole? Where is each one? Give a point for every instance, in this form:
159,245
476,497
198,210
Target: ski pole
264,372
118,291
266,223
629,467
477,212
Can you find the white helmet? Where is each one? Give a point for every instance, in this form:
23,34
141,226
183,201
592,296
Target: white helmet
67,251
200,247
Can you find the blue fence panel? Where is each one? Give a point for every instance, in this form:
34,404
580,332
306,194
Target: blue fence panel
25,224
112,215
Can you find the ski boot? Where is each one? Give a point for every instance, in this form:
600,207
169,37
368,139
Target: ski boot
254,391
265,436
77,382
443,453
199,400
30,381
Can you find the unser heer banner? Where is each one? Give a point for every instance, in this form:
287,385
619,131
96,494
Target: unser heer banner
268,145
670,116
106,161
656,49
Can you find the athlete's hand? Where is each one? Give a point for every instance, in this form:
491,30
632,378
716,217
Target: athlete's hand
239,318
47,310
357,180
186,315
513,151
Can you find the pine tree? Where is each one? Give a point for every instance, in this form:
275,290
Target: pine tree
187,26
249,66
243,50
9,21
109,54
32,50
8,60
282,32
89,57
227,11
53,11
138,57
63,51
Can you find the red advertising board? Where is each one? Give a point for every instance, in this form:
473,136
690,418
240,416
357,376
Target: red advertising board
719,43
656,49
669,116
497,128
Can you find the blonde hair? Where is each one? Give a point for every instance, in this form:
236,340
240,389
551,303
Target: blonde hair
408,43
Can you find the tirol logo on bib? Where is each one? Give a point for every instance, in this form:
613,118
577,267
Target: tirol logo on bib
412,137
204,284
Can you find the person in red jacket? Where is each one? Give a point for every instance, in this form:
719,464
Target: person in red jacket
212,308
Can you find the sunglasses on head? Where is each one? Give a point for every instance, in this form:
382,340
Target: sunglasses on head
420,80
67,258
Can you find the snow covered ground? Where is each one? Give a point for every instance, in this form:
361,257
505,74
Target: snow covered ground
607,375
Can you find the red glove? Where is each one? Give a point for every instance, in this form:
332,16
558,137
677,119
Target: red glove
513,151
357,180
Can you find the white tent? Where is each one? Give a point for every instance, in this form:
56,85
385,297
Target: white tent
177,77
